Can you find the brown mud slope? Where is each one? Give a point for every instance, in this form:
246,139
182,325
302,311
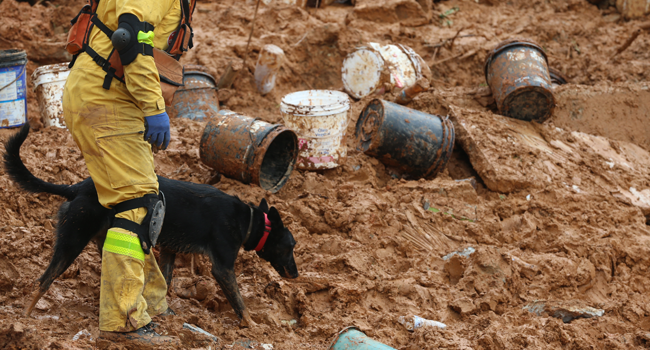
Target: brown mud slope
557,217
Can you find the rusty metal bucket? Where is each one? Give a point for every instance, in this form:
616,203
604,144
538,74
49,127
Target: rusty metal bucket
198,98
412,143
518,75
249,150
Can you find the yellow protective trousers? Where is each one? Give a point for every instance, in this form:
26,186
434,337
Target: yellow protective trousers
108,127
109,133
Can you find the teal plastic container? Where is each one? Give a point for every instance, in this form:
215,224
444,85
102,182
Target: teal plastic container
352,339
13,88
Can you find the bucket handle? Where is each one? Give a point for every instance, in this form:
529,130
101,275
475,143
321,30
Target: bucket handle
13,81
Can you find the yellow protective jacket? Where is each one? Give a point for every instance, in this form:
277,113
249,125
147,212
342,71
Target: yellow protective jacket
141,76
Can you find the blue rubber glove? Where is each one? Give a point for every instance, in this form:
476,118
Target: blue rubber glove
156,130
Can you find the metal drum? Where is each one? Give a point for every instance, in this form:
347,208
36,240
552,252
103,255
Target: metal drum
518,75
198,98
249,150
412,143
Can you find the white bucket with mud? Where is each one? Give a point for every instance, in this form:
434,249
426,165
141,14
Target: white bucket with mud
378,69
320,118
48,84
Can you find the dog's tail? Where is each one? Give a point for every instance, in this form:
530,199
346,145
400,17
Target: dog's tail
22,176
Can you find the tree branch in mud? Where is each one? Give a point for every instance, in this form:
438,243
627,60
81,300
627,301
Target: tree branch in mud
630,40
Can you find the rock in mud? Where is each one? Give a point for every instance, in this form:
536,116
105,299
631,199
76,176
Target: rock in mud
567,311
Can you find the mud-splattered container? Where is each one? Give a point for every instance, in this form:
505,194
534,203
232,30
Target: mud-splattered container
320,118
352,339
267,68
49,82
198,98
631,9
13,93
412,144
249,150
518,75
376,69
557,77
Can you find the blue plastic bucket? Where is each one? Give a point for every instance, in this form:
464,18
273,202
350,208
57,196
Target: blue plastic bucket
352,339
13,88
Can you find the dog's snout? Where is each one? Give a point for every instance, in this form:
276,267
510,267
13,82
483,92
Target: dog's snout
289,274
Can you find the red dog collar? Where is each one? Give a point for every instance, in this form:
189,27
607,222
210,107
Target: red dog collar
267,230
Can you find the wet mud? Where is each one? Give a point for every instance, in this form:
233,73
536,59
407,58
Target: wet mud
555,217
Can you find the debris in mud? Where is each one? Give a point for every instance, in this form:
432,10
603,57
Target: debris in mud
567,311
199,330
407,95
82,333
411,323
268,65
352,339
465,253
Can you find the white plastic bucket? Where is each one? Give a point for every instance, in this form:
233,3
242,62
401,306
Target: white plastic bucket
375,68
320,118
48,84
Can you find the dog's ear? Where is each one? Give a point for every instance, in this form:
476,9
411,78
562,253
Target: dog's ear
264,207
275,218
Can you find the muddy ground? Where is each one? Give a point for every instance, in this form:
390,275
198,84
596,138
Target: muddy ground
551,218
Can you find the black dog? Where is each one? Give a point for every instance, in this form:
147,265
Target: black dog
199,219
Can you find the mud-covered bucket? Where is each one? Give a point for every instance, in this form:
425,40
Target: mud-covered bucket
320,118
49,82
13,94
410,143
198,98
268,65
518,75
376,69
352,339
249,150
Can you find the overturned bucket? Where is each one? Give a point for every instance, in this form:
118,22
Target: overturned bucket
249,150
352,339
378,69
198,98
518,75
13,94
320,117
49,82
412,143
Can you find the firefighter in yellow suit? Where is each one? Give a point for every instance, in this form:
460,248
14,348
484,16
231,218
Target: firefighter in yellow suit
109,128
